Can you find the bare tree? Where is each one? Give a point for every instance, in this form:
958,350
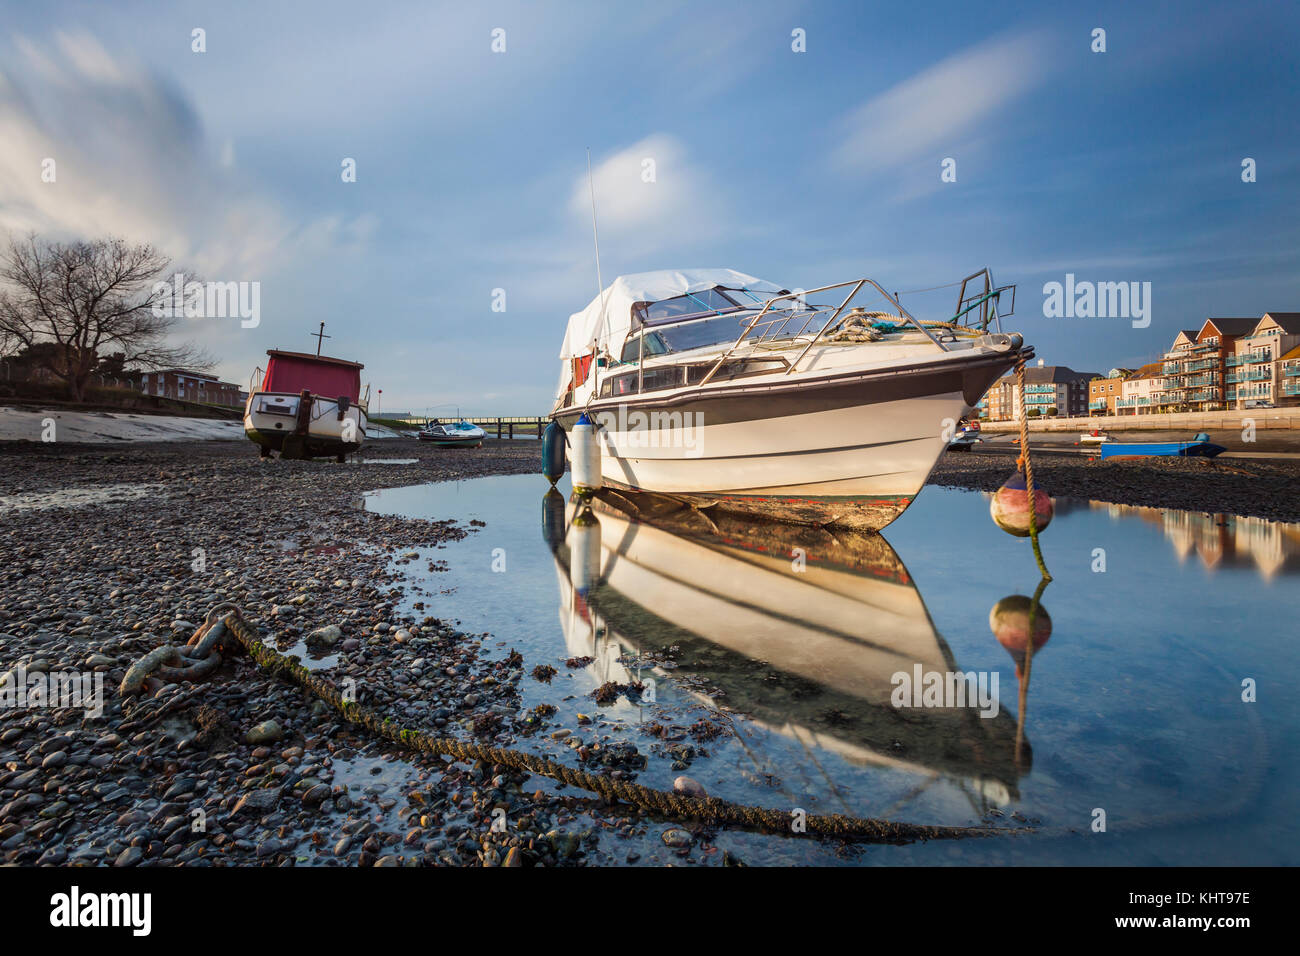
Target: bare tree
87,297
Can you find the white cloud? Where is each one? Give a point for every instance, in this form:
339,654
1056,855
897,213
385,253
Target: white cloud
132,160
679,206
934,111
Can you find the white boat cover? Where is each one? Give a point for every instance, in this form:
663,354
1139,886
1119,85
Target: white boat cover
609,327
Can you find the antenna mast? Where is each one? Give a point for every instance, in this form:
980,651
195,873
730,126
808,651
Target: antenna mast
600,283
320,337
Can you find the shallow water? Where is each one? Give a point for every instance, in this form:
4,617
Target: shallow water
79,497
768,664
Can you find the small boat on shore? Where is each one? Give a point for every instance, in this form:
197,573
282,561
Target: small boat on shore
452,435
967,437
729,392
306,406
1094,437
1198,447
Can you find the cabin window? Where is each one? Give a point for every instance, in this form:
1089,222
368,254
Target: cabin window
694,303
657,378
738,369
694,335
654,378
654,345
618,385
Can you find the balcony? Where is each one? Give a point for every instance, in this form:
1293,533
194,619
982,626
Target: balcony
1291,388
1195,380
1291,370
1202,364
1100,404
1264,355
1235,360
1259,375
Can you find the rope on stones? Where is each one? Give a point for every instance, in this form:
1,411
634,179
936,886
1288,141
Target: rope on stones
711,810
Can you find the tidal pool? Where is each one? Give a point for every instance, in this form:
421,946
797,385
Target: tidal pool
769,664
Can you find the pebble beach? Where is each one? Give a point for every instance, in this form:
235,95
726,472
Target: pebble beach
278,777
109,551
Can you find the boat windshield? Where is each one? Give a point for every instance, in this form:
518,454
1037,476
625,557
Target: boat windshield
699,333
682,306
691,335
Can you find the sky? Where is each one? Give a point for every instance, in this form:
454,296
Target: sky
450,265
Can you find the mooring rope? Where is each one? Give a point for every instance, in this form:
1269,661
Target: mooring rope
710,810
1025,461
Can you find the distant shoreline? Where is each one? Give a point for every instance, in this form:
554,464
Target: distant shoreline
1260,488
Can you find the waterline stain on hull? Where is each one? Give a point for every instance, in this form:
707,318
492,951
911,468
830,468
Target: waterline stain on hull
860,513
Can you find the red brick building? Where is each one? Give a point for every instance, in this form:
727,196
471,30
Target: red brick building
187,386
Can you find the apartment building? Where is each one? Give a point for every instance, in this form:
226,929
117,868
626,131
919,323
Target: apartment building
1231,363
1290,377
1050,390
1103,393
1195,367
1262,367
1139,389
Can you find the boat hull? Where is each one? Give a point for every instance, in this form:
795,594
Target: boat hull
453,442
1183,449
852,453
323,431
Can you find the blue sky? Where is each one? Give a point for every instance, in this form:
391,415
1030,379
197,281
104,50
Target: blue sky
802,168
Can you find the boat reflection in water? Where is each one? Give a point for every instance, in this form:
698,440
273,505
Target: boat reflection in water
802,631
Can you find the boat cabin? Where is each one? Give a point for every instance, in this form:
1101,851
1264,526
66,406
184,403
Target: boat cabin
294,372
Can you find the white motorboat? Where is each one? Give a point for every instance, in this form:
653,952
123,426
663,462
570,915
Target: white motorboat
306,406
1094,437
452,434
968,436
727,391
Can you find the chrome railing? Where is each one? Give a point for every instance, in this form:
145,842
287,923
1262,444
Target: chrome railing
991,296
986,301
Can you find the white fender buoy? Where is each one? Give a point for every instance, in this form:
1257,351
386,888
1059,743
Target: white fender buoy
586,456
584,551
